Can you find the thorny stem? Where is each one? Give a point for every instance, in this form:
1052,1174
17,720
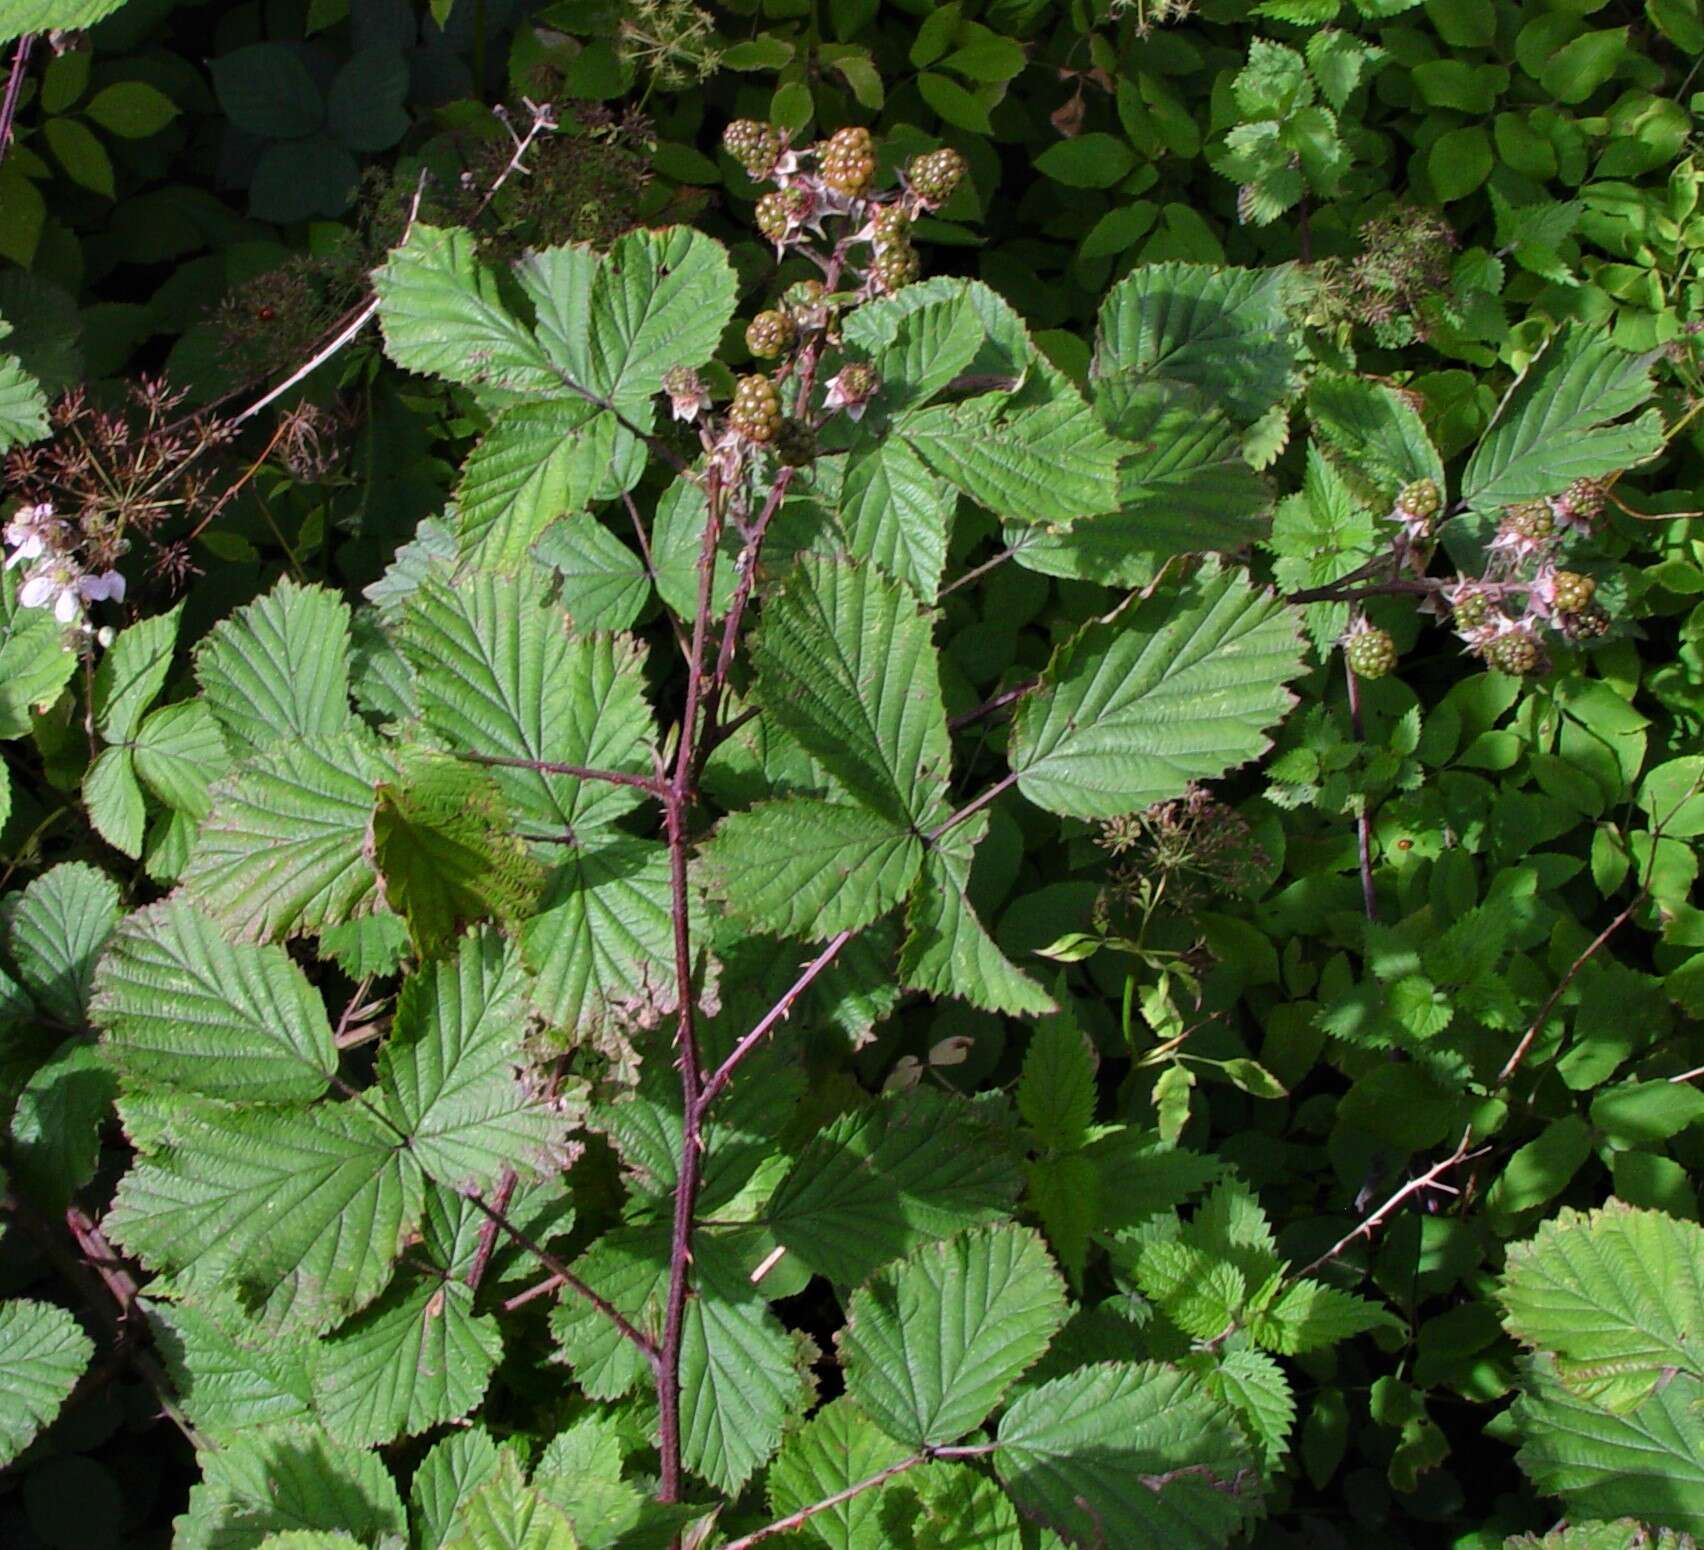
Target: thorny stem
14,89
487,1245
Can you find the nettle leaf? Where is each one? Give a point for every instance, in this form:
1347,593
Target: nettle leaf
230,1374
442,313
284,849
1122,1454
184,1008
1222,332
55,930
1615,1296
838,1448
500,675
947,951
447,1076
418,1357
1378,431
1558,422
604,583
287,1479
811,868
615,322
446,851
36,660
1181,688
1647,1463
43,1352
1310,1314
278,670
846,664
303,1212
932,1344
895,1173
131,672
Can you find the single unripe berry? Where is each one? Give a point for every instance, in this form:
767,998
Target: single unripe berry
1532,520
1571,592
853,387
795,443
847,161
1515,653
934,177
756,410
779,212
1420,500
895,266
1370,653
770,333
1583,500
890,225
756,147
1472,610
1588,624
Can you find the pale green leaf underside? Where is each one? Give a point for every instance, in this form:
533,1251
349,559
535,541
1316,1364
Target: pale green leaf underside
1118,1454
43,1352
1181,689
810,868
184,1008
931,1344
278,669
114,800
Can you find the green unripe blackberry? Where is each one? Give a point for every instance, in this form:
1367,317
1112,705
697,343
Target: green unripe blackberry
756,147
1588,624
779,212
1370,653
891,226
847,161
770,333
1571,592
934,177
856,384
895,266
1420,499
1515,653
1532,520
795,443
756,410
1472,610
1583,500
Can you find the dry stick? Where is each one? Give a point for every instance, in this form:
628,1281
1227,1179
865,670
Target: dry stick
677,804
539,1289
566,1277
14,89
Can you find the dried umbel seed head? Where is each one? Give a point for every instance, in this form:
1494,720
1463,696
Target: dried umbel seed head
770,333
1371,653
934,177
1570,592
795,443
756,147
1516,653
847,161
895,266
778,213
1531,520
1420,500
756,410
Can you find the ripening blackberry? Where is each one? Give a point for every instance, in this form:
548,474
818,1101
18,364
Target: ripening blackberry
890,226
895,266
1515,653
756,410
934,177
780,211
1370,653
1532,520
847,161
1420,500
756,147
1583,500
1472,610
795,443
1570,592
770,333
1589,623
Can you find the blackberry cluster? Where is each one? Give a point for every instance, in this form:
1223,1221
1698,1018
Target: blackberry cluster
1420,500
847,161
890,226
756,147
1583,500
934,177
1370,653
770,333
756,410
1472,611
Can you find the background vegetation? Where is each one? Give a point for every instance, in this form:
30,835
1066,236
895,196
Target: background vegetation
1199,775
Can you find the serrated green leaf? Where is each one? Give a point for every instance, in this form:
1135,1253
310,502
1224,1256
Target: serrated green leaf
580,1471
1056,1091
1222,332
921,338
1128,1455
504,1513
447,855
302,1211
442,313
179,752
132,671
23,405
1310,1314
1557,423
810,868
1376,429
499,675
451,1472
896,514
1181,688
677,540
447,1077
230,1374
278,669
1254,1385
36,661
954,1507
1615,1296
629,1268
283,850
114,800
55,930
604,583
846,664
931,1344
417,1358
184,1008
43,1353
838,1448
56,1126
879,1181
